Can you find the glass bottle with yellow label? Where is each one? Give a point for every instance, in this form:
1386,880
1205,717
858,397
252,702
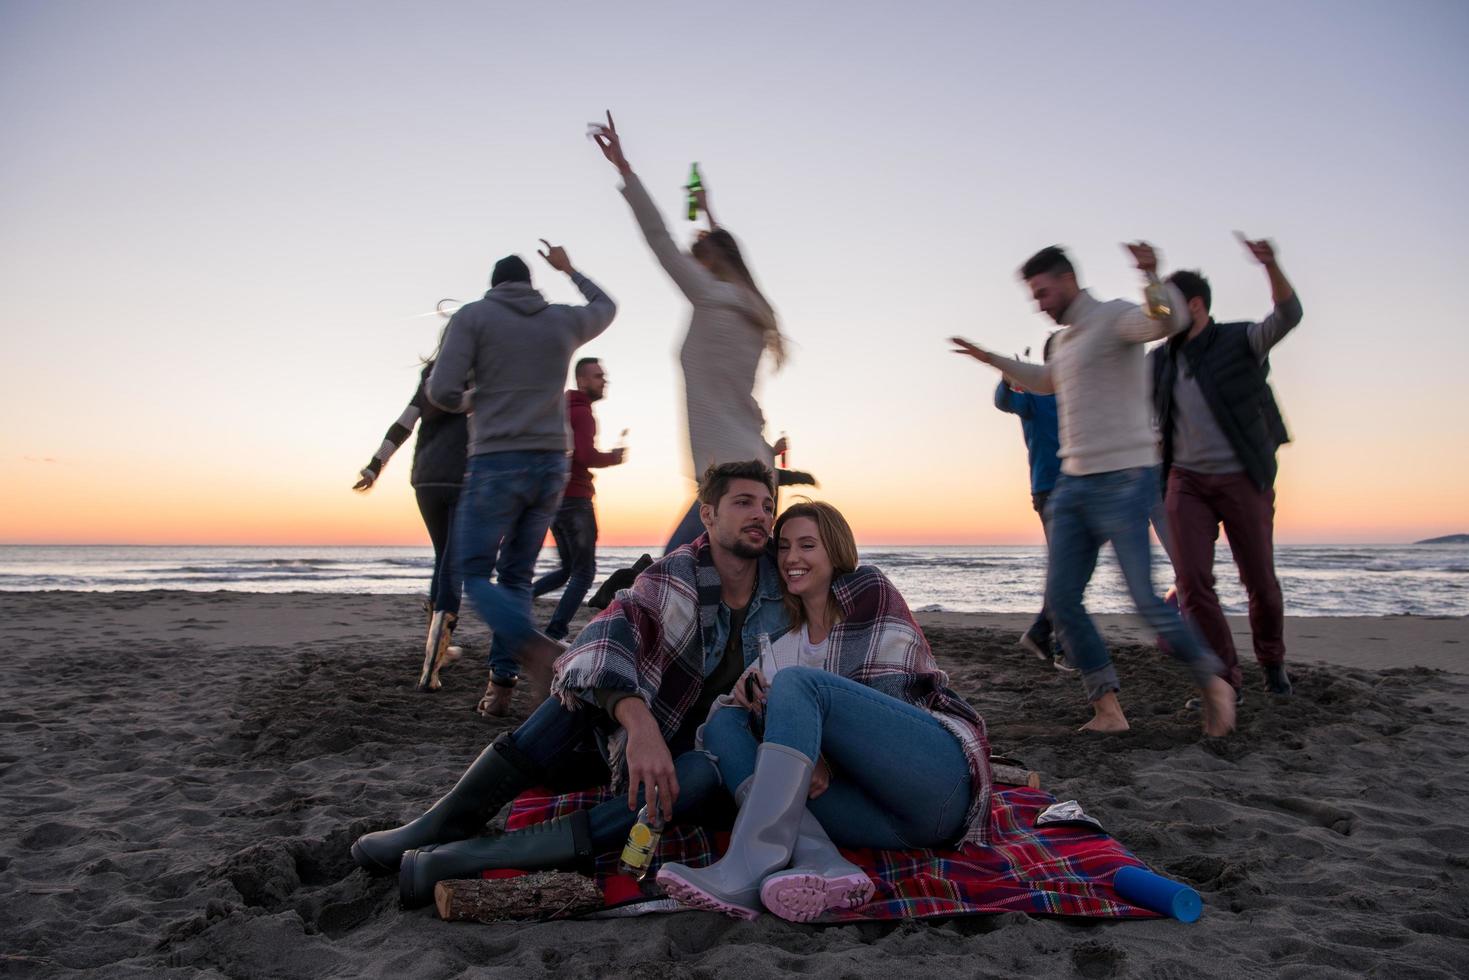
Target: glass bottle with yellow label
642,841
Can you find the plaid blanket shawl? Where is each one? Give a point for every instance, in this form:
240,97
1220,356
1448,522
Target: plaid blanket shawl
878,643
1024,868
649,640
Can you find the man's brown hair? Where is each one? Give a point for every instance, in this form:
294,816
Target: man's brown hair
717,478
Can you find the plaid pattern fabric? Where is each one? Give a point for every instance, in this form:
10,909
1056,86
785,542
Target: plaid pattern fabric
1041,871
649,640
878,643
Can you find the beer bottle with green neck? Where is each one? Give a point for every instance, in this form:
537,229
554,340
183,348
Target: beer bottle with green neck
693,187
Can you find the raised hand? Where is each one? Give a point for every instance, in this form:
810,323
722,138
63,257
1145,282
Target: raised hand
962,346
1145,256
1261,248
610,144
556,257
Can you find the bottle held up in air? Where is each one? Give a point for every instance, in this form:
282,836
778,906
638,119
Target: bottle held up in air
1159,307
642,841
785,452
694,185
621,446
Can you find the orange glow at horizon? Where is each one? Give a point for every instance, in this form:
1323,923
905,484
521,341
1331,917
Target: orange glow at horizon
48,505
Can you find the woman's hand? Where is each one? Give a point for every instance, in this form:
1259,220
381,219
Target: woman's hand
365,484
749,691
820,778
610,144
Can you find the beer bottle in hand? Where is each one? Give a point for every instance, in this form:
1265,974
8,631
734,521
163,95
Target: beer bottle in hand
694,184
642,841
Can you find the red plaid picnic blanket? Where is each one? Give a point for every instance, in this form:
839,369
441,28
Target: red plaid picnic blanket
1039,870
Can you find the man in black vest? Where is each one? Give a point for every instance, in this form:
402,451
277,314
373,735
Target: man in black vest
1221,428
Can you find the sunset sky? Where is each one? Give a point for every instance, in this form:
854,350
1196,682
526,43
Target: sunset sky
219,221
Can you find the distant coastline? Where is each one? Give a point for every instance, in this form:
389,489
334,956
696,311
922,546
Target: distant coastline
1446,539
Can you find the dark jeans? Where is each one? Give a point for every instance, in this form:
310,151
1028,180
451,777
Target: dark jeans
437,505
1197,504
552,735
1086,512
689,528
1041,630
506,506
575,531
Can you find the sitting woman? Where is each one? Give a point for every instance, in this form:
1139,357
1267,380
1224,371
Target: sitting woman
863,743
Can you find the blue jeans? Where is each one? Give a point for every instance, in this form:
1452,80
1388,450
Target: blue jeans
575,531
505,507
689,528
899,777
552,733
1084,513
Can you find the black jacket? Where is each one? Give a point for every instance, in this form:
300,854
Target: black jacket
1234,383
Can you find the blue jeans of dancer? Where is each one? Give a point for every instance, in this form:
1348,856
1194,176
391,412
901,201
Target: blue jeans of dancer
689,528
504,510
437,505
1041,630
552,733
899,777
575,531
1085,513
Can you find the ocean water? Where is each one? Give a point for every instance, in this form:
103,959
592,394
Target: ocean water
1318,580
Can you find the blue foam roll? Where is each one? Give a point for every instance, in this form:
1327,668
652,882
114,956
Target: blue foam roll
1158,894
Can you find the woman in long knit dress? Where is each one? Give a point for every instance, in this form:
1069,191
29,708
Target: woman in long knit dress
730,328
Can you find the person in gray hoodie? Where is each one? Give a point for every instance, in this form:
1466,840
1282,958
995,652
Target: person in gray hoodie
515,348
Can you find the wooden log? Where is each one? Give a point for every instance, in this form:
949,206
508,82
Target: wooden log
1015,776
543,895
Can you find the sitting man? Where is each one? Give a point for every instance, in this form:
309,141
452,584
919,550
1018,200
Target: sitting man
647,669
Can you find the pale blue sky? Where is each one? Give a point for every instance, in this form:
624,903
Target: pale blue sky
216,222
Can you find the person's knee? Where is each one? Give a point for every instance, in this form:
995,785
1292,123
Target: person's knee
726,729
797,677
698,777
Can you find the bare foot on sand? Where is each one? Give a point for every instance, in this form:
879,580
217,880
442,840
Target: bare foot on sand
1107,717
1218,708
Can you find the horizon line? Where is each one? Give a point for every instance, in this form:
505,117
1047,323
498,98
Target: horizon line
874,544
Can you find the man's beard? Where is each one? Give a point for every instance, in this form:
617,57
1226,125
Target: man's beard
741,549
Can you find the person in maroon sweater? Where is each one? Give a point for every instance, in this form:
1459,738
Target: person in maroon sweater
575,525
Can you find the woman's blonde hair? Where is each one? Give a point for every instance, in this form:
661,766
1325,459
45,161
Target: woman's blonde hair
841,547
725,251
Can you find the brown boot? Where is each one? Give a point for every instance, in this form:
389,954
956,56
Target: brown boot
537,665
496,700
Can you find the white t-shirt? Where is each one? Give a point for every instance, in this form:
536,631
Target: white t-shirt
794,649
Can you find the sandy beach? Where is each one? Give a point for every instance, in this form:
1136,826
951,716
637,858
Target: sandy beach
182,773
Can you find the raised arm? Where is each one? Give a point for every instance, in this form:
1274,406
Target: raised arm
688,275
1286,313
1140,325
597,315
1032,377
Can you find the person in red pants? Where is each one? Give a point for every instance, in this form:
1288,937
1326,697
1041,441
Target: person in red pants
1221,428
